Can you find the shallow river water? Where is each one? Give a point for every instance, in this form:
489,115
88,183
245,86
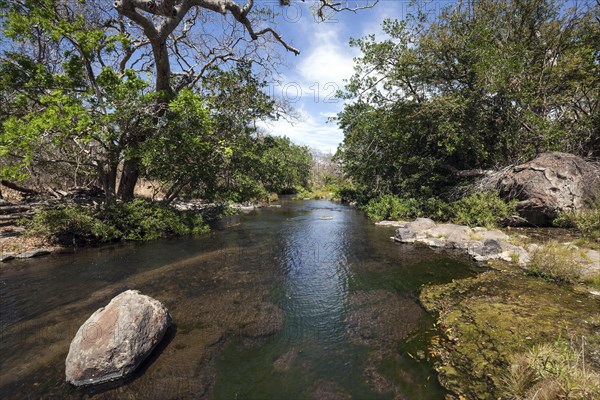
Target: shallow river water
306,301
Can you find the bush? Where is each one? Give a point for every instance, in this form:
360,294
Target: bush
586,222
138,220
555,262
551,371
437,209
71,224
391,207
482,209
143,220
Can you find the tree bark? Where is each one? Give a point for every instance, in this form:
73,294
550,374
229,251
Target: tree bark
163,66
129,178
131,172
108,180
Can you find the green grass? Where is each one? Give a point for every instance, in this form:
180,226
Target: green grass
593,281
586,222
555,262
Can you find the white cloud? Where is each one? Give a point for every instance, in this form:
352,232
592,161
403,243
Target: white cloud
329,60
309,131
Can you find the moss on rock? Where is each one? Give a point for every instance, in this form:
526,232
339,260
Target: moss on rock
484,321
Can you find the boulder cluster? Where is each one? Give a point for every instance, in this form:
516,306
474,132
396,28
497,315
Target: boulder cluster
482,244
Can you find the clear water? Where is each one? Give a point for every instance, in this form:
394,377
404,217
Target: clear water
309,300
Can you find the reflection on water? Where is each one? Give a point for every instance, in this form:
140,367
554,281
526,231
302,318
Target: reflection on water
305,301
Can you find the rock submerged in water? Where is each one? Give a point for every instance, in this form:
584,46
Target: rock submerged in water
116,339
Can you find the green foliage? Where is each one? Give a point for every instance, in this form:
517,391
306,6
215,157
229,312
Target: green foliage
392,207
143,220
71,224
482,209
586,222
283,165
471,87
437,209
138,220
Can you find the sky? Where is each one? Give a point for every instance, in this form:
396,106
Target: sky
310,80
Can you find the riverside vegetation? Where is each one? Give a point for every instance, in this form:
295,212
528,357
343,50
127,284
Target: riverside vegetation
442,100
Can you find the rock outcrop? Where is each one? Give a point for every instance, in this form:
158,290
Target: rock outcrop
116,339
549,184
480,243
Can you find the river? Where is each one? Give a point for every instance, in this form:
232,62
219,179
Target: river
309,300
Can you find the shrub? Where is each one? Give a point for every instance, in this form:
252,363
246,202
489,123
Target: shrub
593,281
138,220
144,220
555,262
586,222
437,209
71,224
482,209
391,207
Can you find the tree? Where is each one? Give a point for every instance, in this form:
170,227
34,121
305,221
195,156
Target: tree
80,53
484,84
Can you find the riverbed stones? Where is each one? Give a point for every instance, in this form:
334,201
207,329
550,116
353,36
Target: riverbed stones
34,253
391,223
116,339
590,259
284,362
266,319
373,316
7,256
454,236
420,224
480,243
405,235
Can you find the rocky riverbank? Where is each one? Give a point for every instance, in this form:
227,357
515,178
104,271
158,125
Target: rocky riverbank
494,329
485,245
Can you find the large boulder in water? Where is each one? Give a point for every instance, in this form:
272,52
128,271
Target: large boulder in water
115,340
549,184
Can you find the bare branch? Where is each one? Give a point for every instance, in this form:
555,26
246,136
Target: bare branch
338,6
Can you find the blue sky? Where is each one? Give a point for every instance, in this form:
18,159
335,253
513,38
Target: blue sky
310,79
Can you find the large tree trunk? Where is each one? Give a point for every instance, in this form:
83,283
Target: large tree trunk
163,68
129,178
131,172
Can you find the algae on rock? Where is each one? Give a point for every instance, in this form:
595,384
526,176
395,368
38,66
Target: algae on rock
484,321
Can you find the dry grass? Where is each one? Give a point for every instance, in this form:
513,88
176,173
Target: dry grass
149,189
21,243
556,262
551,372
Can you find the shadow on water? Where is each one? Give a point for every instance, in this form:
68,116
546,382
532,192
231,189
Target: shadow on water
309,300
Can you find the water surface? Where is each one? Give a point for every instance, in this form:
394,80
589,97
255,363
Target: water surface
309,300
